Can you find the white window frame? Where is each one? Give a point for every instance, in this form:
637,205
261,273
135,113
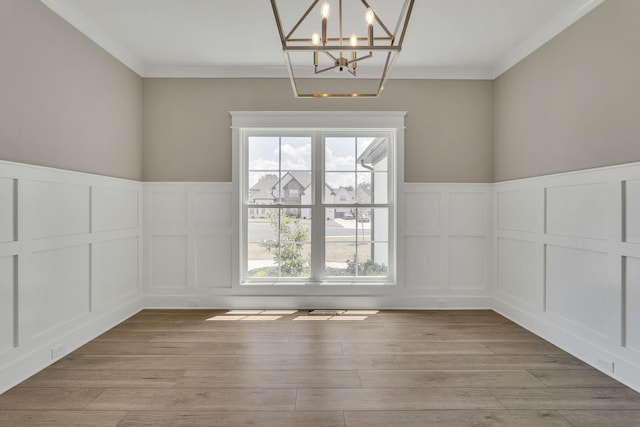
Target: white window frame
321,124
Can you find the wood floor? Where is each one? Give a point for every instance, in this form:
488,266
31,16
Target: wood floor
393,368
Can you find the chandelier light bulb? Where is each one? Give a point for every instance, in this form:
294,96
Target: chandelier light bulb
369,16
315,39
326,9
354,40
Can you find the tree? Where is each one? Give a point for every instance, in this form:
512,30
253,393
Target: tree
287,249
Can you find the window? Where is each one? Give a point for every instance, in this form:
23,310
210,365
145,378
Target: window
317,206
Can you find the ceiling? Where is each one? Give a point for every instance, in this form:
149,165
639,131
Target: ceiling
469,39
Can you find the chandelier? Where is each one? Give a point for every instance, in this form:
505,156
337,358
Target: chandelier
317,42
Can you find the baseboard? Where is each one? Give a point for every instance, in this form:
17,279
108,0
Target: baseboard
625,372
24,366
319,302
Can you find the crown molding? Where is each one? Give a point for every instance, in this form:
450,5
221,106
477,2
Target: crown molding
397,73
97,35
558,24
566,18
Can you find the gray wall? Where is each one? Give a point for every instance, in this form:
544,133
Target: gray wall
64,101
575,102
187,134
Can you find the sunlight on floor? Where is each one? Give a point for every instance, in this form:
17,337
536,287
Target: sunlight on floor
270,315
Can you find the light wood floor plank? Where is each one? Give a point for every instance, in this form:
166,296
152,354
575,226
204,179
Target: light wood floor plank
575,378
269,379
260,348
156,362
415,348
48,398
194,400
139,348
447,379
317,362
590,418
33,418
69,378
226,337
395,399
567,398
234,419
524,348
477,362
496,418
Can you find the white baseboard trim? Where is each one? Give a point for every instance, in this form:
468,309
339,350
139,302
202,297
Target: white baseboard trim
31,363
317,302
625,372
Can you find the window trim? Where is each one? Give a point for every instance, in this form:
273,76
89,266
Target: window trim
327,123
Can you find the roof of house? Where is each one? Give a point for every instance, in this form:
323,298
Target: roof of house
262,190
303,178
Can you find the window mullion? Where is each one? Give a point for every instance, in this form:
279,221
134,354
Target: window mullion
318,214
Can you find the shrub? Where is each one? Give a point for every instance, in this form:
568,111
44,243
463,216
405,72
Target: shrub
287,249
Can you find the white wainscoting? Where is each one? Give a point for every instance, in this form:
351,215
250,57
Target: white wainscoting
444,261
70,252
567,263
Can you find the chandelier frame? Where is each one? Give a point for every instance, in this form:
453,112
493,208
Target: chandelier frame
389,44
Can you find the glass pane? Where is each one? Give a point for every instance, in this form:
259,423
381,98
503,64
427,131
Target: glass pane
262,238
379,224
339,259
363,220
296,188
339,188
340,154
379,188
373,259
296,153
279,243
340,224
263,188
363,193
295,260
372,154
264,153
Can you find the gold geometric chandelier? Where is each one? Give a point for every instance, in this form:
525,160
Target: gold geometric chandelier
316,42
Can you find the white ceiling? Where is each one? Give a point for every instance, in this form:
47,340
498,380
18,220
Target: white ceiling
476,39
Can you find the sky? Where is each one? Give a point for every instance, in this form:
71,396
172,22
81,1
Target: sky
340,155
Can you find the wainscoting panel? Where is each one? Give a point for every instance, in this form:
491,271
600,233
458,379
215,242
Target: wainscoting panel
516,276
115,209
6,303
213,211
519,210
169,265
468,214
57,292
632,213
213,261
444,251
422,213
188,240
69,262
468,262
422,262
577,210
168,211
116,266
6,210
632,304
576,286
575,283
59,209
